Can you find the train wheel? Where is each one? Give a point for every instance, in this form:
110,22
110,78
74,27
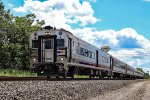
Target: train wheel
64,75
99,76
57,76
48,77
90,76
72,75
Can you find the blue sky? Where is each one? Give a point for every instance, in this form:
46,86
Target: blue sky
124,13
124,25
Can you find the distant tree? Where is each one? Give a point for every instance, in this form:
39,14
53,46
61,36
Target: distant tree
146,74
140,69
5,26
23,27
14,38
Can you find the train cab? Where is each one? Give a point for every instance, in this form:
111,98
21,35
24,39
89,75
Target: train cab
48,52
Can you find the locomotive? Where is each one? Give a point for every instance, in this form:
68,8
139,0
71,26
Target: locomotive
58,53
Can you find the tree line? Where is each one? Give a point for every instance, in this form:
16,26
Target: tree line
14,38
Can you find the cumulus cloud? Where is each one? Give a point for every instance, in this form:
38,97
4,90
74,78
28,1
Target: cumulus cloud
60,13
125,38
146,0
10,5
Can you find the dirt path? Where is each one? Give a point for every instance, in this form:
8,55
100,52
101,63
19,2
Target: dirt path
136,91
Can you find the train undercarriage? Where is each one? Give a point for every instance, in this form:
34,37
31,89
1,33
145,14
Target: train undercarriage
54,71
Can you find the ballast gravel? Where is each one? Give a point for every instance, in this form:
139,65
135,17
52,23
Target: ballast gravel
58,90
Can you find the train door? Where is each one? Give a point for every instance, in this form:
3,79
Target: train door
47,49
70,49
111,66
111,63
96,58
126,70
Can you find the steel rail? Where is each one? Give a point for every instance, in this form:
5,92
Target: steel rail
55,79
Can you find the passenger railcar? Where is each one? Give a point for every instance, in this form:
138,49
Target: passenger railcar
57,52
119,68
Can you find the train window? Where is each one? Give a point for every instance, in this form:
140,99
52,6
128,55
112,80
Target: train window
104,59
60,43
86,53
78,50
34,43
72,43
78,44
69,44
82,51
90,54
48,44
123,67
93,55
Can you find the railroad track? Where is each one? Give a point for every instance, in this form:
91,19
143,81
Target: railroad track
54,79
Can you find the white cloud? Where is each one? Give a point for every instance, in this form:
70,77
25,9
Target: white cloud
116,39
60,13
10,5
146,0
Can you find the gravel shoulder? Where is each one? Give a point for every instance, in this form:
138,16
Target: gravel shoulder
62,90
135,91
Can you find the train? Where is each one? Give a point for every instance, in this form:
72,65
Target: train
59,53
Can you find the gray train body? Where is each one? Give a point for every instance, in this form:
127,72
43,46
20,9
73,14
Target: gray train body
58,53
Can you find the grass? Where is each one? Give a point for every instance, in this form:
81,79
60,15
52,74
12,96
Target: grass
16,73
81,76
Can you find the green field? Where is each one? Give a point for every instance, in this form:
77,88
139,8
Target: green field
16,73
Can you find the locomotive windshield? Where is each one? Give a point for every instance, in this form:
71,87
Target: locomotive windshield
34,43
48,44
60,43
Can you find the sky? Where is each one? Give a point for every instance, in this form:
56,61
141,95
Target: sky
124,25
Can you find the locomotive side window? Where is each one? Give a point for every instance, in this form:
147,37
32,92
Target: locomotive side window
34,43
48,44
60,43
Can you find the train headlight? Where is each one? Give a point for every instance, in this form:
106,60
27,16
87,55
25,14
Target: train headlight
47,33
42,72
61,58
34,59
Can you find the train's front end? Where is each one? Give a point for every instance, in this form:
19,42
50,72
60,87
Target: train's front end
48,53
